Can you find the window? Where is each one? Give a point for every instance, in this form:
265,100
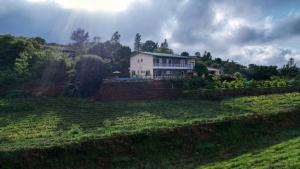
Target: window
138,60
141,60
133,73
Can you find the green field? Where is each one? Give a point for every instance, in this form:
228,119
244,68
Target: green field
285,154
47,122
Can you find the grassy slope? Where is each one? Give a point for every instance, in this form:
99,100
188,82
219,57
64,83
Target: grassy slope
285,154
46,122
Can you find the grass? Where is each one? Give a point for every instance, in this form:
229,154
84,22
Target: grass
28,126
47,122
285,154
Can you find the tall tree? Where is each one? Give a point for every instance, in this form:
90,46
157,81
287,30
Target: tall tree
80,37
115,38
96,39
149,46
164,44
137,42
290,69
207,56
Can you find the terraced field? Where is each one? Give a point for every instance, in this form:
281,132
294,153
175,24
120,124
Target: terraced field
284,155
47,122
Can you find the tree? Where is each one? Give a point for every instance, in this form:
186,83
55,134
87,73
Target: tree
197,54
206,56
258,72
89,72
200,69
115,38
185,53
137,42
97,39
122,62
164,48
218,60
80,37
164,44
290,69
149,46
40,40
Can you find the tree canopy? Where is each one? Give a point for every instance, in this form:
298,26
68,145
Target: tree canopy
185,53
137,42
149,46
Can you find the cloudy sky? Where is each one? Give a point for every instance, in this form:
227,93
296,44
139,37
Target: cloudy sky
247,31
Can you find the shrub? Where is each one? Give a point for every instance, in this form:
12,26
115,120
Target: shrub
18,94
195,83
88,75
7,77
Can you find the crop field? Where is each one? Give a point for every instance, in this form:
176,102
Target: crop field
282,155
46,122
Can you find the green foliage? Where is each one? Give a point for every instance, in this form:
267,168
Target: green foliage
289,70
51,67
8,77
137,42
115,38
18,94
89,72
195,83
200,69
22,65
80,37
257,72
149,46
185,53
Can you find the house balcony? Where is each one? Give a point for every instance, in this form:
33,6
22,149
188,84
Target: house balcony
172,66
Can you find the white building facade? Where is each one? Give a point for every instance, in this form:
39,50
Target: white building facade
151,65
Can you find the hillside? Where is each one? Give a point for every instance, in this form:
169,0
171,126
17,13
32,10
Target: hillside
44,125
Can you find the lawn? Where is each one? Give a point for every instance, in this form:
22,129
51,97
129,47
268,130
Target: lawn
46,122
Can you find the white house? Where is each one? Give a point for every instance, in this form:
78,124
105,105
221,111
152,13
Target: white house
161,65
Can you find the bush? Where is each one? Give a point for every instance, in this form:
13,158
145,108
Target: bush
195,83
88,75
7,78
18,94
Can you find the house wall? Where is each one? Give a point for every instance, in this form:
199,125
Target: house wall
140,64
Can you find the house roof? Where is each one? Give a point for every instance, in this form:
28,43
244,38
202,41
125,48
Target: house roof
167,55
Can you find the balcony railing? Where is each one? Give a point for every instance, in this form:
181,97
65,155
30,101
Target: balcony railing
165,65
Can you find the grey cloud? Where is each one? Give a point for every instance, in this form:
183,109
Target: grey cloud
190,24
